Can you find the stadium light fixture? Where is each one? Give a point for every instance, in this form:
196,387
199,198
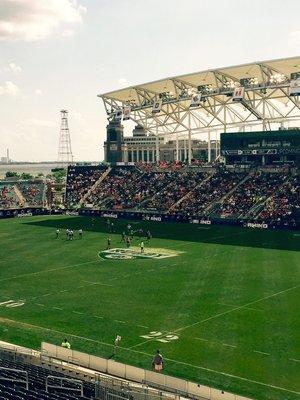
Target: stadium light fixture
277,78
205,89
249,82
230,84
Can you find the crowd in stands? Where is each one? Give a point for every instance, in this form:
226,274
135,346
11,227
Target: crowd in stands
284,205
80,180
253,192
8,198
175,186
209,191
32,192
21,194
187,192
128,188
118,191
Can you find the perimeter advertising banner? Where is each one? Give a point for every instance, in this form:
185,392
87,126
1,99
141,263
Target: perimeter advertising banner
195,100
157,106
126,113
118,115
295,87
238,93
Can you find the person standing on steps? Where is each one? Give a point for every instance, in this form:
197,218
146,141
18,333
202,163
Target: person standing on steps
158,362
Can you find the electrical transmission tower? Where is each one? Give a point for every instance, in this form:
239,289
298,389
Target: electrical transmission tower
65,155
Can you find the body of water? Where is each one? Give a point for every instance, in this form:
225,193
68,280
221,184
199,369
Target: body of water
33,169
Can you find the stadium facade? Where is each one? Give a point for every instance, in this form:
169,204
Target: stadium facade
143,147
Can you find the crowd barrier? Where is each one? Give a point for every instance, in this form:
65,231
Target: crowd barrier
157,217
141,215
23,212
163,382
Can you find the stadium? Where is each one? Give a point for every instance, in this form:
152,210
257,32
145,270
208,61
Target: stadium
195,257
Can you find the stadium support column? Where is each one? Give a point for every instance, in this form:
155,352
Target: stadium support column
190,141
157,146
177,151
208,148
264,115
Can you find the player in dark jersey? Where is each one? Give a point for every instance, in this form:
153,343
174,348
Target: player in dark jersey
141,233
108,243
128,241
123,239
149,236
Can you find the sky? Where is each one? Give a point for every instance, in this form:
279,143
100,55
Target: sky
58,54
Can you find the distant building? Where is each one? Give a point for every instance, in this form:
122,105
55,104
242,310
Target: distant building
5,160
143,146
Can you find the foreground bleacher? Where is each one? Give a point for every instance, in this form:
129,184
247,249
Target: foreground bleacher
21,194
33,375
258,195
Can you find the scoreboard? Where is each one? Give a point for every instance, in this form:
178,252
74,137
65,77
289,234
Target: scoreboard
261,147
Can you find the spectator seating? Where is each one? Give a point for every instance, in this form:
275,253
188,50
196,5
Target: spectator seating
189,192
10,390
33,192
8,197
253,192
79,180
284,205
209,192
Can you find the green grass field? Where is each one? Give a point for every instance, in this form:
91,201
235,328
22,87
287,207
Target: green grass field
226,306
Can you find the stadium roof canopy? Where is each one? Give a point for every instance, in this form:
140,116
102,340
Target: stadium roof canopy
207,100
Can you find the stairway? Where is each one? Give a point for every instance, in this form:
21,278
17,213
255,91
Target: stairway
102,177
20,196
186,196
258,207
210,208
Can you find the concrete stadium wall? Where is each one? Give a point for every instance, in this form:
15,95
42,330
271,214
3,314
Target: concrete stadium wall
151,378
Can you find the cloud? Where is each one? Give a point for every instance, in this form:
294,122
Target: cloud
12,67
123,82
37,19
9,88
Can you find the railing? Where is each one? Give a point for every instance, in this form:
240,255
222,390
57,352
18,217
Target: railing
168,385
60,383
5,370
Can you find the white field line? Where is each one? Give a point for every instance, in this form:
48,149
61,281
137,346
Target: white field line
47,270
232,305
237,308
222,313
214,342
98,283
294,359
3,320
261,352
